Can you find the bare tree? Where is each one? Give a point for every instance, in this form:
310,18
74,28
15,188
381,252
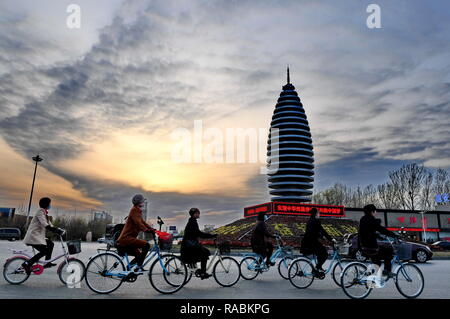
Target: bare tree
397,180
338,194
412,187
386,195
426,199
370,195
441,181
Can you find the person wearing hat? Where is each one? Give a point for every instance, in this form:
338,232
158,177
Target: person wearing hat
369,226
311,244
35,236
260,239
191,250
128,241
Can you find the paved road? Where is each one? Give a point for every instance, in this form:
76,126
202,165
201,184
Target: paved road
268,285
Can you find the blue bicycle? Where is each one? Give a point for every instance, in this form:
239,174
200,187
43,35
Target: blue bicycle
358,279
302,270
106,271
251,266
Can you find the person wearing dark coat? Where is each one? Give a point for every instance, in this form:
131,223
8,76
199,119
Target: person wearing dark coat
367,239
191,250
260,242
310,243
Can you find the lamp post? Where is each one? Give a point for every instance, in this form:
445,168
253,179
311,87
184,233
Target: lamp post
36,159
423,227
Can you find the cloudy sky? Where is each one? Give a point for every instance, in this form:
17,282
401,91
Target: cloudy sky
100,103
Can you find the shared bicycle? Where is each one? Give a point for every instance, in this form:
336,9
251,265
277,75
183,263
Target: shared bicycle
302,270
252,266
70,271
358,279
226,270
108,270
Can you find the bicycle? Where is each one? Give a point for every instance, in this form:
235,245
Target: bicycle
15,274
357,276
252,266
106,271
302,270
226,270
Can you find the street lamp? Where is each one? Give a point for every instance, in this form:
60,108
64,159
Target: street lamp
423,227
36,159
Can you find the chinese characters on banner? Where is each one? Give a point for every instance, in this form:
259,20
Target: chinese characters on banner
294,209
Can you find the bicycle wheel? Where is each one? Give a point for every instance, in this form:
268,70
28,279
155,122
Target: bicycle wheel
300,273
167,262
354,281
336,272
188,277
409,280
104,273
71,271
226,271
249,268
283,266
13,271
168,276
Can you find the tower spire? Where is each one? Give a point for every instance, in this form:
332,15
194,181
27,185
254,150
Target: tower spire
288,77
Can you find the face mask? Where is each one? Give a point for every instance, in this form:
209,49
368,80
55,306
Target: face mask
49,207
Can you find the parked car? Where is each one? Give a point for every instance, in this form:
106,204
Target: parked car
407,250
10,233
441,245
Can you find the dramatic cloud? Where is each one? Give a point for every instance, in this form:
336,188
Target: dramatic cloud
102,114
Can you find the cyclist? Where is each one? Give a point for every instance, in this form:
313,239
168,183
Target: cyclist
311,245
367,239
260,240
191,250
128,241
35,236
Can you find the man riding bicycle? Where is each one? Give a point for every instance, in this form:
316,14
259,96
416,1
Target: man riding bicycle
191,250
367,238
260,240
128,241
310,243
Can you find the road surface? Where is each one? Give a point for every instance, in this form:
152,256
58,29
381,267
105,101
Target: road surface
268,285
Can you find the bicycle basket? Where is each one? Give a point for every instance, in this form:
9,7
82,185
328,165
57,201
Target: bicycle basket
225,248
343,249
165,241
74,247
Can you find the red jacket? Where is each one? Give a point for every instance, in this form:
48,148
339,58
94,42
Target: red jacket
134,225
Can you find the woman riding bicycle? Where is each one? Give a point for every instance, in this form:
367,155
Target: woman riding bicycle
191,250
260,240
35,236
128,241
310,243
367,239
